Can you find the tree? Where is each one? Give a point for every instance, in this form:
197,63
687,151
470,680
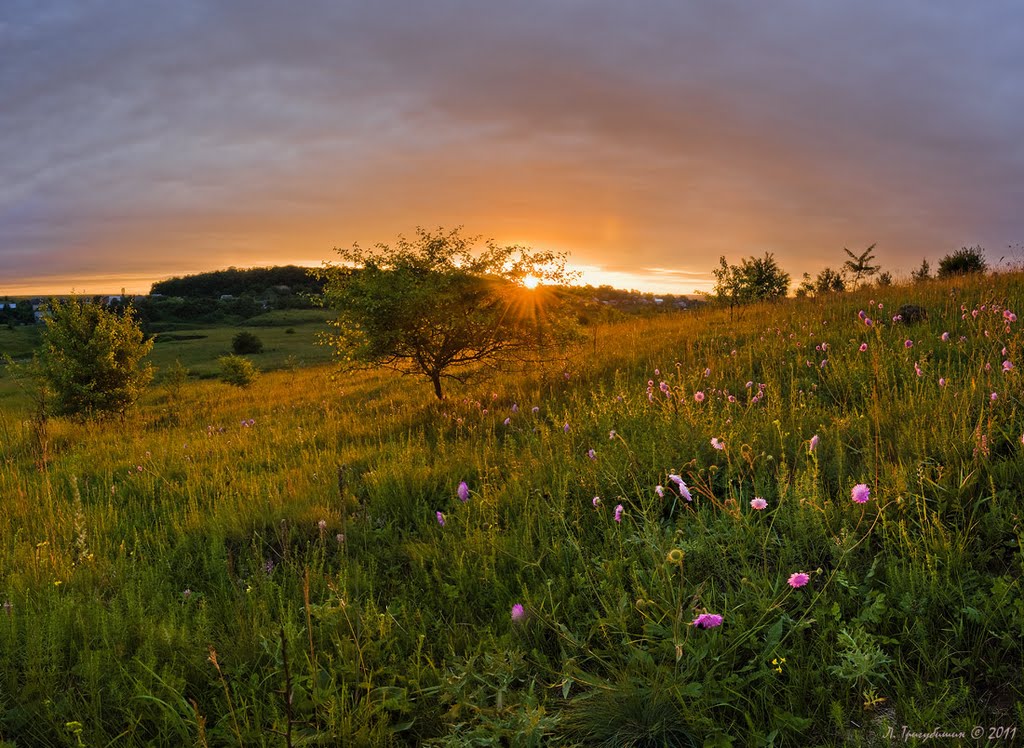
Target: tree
923,273
829,281
91,357
885,279
964,261
246,342
433,307
754,279
237,370
860,265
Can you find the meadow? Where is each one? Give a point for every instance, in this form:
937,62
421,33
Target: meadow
797,524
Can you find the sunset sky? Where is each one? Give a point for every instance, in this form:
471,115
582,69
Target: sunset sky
142,140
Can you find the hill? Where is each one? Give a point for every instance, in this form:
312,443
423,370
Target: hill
798,528
254,282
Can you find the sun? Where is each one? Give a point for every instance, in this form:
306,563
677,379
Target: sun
531,282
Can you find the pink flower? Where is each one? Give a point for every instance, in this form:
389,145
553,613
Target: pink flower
945,337
683,490
707,621
463,491
813,443
908,343
860,493
716,443
942,382
591,454
596,501
863,347
660,490
565,428
698,396
518,613
798,580
618,512
440,519
758,503
507,421
1007,365
994,396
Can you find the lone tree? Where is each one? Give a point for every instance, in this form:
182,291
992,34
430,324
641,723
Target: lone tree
91,357
432,306
859,266
754,279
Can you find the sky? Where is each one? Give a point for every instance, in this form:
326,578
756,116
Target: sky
646,139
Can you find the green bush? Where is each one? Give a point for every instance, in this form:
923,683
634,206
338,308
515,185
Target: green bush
91,358
246,342
237,370
964,261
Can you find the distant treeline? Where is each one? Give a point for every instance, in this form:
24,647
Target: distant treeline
270,283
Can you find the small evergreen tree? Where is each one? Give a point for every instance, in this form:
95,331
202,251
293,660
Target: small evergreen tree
923,273
91,358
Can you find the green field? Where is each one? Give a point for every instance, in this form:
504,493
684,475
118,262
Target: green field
266,565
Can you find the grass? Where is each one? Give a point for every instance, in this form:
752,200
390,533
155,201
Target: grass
170,578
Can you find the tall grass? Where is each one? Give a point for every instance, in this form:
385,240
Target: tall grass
265,566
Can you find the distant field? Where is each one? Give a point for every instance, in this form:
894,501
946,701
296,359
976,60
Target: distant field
799,525
289,340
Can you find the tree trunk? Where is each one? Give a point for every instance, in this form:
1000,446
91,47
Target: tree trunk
435,377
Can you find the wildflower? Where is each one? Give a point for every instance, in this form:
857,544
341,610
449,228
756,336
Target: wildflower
657,372
675,556
707,372
535,410
908,343
861,315
716,443
660,490
988,366
268,566
515,407
340,537
863,347
596,501
8,607
732,398
440,518
591,454
611,435
945,337
749,385
707,621
868,322
917,369
942,381
187,593
798,580
698,396
1007,365
758,503
463,492
518,613
619,509
322,525
994,396
860,493
813,443
897,318
565,428
778,661
823,362
507,421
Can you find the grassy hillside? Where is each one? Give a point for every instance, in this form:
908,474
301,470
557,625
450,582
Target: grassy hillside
167,580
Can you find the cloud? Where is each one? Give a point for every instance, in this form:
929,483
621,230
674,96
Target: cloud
636,136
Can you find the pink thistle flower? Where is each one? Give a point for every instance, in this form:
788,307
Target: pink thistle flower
660,490
515,407
698,396
507,421
591,454
440,519
611,435
463,491
994,396
1007,365
868,322
518,613
908,343
863,347
716,443
565,428
596,501
860,493
758,503
749,385
945,337
942,382
813,443
535,409
619,509
707,621
798,580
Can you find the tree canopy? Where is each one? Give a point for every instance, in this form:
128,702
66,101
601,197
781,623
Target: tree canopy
433,306
754,279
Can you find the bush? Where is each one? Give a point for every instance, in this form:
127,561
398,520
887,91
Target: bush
92,359
964,261
246,342
237,370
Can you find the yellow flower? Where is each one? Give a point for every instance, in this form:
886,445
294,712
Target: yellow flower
675,556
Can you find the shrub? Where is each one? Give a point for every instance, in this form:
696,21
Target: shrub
246,342
92,359
237,370
964,261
